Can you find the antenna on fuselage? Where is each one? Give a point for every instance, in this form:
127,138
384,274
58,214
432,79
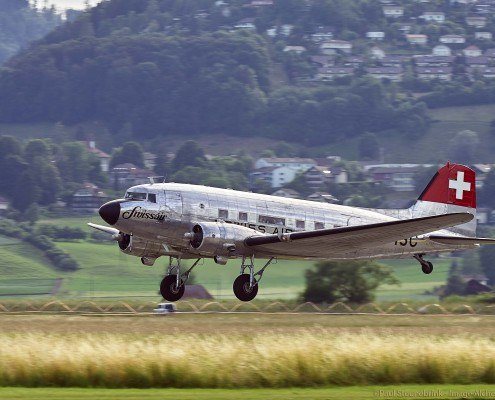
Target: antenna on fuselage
157,179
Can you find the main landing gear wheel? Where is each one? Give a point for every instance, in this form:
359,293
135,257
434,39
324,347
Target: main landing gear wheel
242,289
169,289
427,267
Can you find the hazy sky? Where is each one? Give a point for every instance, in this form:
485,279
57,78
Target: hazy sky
64,4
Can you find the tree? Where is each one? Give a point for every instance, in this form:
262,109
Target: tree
352,281
368,147
464,147
190,154
130,152
487,192
32,213
9,146
74,163
36,148
487,262
26,192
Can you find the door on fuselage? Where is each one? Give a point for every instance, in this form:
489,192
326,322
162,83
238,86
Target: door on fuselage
173,203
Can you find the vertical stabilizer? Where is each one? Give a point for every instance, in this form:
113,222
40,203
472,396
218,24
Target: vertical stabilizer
452,189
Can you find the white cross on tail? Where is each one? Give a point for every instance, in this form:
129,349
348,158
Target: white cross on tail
459,185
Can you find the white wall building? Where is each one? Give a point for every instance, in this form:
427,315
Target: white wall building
441,50
433,16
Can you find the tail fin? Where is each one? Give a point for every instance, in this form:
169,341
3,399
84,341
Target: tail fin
452,189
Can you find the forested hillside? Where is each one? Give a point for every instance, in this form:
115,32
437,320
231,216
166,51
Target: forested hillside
178,67
21,23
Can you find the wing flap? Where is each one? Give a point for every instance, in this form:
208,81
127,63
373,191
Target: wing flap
460,240
309,243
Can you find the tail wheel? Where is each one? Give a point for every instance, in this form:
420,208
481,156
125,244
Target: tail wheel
427,267
242,289
169,289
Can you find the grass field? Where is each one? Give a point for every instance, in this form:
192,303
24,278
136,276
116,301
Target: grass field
245,351
106,272
434,145
448,392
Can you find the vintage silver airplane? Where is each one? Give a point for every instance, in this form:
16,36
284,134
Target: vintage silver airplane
194,222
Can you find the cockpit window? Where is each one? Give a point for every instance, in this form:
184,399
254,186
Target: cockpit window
152,197
135,196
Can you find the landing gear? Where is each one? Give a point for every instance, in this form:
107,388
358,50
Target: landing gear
243,289
426,266
173,285
246,285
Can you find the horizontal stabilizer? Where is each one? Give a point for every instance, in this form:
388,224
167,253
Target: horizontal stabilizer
106,229
460,241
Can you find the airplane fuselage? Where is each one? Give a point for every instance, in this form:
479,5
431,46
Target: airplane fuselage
164,214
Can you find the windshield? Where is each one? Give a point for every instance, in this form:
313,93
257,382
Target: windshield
135,196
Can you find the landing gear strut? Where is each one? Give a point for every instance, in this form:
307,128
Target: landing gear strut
426,266
246,285
173,285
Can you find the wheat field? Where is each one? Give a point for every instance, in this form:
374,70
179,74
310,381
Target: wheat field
307,358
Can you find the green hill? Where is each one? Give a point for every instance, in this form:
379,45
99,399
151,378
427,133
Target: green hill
106,272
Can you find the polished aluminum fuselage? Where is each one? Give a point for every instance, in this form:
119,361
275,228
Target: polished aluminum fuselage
179,207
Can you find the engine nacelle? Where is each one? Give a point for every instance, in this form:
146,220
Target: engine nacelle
138,247
219,239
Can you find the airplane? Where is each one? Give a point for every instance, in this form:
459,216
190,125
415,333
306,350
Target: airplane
185,221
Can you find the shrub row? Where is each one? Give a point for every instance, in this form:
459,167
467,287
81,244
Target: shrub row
59,258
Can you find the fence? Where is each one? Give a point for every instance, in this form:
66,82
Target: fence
121,307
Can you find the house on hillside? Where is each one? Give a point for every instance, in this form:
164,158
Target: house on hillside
322,197
477,62
430,73
294,49
441,50
417,39
483,35
433,16
393,11
433,61
476,21
88,199
393,74
295,163
275,176
377,53
287,193
319,176
330,73
398,177
123,176
375,35
472,51
331,47
452,39
322,34
246,23
4,204
103,157
485,72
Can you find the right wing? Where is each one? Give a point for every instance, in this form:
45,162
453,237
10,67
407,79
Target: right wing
460,240
327,242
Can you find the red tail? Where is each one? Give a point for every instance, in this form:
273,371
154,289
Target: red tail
452,184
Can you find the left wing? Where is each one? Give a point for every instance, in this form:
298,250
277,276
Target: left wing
348,239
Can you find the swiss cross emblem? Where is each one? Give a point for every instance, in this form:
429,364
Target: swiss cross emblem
459,185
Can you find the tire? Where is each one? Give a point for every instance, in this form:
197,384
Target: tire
242,290
427,268
169,291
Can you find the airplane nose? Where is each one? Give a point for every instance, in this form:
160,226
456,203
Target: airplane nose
110,212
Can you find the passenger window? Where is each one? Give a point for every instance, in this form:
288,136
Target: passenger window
152,197
319,225
300,224
243,216
223,214
265,219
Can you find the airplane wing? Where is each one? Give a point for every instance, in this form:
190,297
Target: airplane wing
460,240
323,242
106,229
